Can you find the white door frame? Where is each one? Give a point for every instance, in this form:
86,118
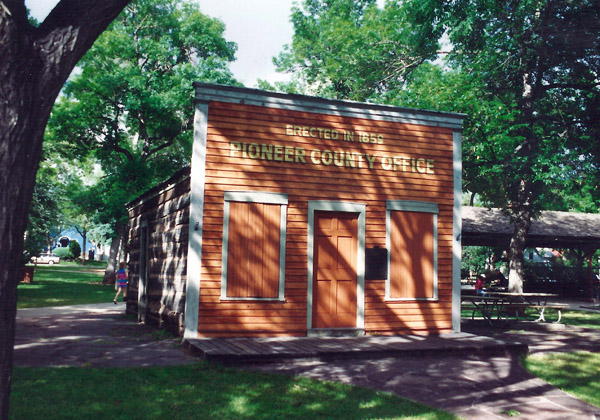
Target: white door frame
345,207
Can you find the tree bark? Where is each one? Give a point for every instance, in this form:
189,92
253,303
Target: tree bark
111,266
522,223
34,66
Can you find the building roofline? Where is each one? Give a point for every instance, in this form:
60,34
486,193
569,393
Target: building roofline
206,92
174,179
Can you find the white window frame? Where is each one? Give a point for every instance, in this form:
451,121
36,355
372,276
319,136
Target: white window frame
411,206
263,198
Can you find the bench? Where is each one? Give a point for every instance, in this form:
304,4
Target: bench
504,309
539,308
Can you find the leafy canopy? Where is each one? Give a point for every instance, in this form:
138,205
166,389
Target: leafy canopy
130,106
352,49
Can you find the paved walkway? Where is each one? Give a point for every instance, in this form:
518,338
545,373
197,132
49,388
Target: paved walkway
474,386
471,386
91,335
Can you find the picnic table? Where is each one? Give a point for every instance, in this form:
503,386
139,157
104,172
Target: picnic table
497,307
537,301
490,307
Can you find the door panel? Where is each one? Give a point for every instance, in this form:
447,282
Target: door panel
335,277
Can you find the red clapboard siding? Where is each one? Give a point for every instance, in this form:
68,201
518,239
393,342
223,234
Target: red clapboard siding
346,177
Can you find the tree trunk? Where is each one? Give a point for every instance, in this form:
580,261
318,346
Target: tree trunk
111,265
521,218
34,64
83,254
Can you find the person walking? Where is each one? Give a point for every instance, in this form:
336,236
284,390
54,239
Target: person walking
121,282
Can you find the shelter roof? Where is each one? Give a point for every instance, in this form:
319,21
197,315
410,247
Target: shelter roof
553,229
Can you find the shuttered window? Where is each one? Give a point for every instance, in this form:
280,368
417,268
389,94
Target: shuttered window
253,246
412,245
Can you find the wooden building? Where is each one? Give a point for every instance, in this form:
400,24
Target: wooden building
301,215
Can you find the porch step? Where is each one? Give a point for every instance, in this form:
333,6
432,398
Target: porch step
336,332
244,350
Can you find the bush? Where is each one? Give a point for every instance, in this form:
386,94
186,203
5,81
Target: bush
63,253
75,249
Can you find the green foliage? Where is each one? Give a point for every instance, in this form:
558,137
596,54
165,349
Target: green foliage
130,107
63,253
524,72
531,93
65,284
474,259
574,373
352,49
44,214
75,249
200,391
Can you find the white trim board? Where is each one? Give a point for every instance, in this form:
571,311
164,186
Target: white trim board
254,197
197,185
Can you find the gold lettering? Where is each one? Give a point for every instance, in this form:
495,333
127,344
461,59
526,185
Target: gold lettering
405,163
313,132
289,130
370,160
289,154
266,152
358,159
299,157
234,148
338,159
253,150
429,165
386,163
278,153
326,157
420,164
350,163
314,156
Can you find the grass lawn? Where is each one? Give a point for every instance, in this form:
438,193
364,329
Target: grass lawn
65,284
575,373
199,391
191,392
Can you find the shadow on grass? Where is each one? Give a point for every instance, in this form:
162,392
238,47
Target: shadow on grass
197,392
575,373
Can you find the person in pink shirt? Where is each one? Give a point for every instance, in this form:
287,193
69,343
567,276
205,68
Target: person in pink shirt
121,282
479,284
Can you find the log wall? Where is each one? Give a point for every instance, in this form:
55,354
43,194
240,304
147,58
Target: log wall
165,212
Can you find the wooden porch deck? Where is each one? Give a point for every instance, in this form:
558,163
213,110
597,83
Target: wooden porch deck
264,350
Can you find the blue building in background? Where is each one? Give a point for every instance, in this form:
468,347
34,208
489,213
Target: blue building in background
66,236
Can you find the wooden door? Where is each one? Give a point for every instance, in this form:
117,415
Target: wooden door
334,273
